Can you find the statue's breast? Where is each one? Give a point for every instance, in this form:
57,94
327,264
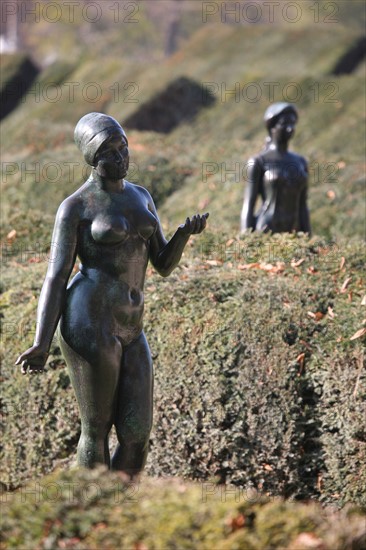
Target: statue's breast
144,223
271,174
285,173
110,229
113,228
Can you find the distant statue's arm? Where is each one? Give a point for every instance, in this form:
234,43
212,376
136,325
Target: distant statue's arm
253,189
53,294
165,255
304,217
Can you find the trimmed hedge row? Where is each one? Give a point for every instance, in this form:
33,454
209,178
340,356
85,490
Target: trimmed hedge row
96,509
258,382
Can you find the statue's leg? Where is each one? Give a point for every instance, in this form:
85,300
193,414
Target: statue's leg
95,382
134,408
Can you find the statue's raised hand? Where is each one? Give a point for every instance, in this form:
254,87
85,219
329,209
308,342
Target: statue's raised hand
33,360
194,225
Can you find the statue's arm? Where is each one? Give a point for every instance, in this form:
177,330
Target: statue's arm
304,216
253,189
53,293
165,255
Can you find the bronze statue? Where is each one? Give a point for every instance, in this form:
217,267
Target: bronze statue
113,227
279,177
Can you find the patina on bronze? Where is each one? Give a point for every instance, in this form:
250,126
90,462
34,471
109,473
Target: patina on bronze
279,177
113,227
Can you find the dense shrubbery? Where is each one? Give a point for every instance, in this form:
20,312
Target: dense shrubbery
268,388
257,380
96,509
159,176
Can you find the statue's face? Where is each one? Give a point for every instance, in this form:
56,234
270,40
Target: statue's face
112,159
284,128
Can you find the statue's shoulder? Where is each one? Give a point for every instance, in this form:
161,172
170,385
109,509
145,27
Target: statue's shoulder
255,159
299,158
256,163
139,190
70,208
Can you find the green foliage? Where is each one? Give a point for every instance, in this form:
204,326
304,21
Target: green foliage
159,176
96,509
264,371
257,380
39,418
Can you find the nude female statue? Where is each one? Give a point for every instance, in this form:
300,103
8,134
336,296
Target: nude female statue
113,227
279,177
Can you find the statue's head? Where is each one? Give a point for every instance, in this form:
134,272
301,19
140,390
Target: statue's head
275,111
92,131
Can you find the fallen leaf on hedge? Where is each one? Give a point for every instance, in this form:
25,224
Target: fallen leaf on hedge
11,236
363,301
343,261
268,468
68,543
266,267
248,266
305,541
301,359
297,263
345,284
214,263
101,525
35,260
237,523
358,334
311,270
331,312
317,316
278,268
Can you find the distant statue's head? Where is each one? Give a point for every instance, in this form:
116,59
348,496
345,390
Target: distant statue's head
93,130
275,111
280,119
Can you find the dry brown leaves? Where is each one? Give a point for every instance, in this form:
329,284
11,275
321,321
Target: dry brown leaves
279,267
359,334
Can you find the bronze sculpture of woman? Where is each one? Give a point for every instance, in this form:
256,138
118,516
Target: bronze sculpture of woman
279,177
113,227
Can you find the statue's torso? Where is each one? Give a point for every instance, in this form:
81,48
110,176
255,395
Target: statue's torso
284,178
113,247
